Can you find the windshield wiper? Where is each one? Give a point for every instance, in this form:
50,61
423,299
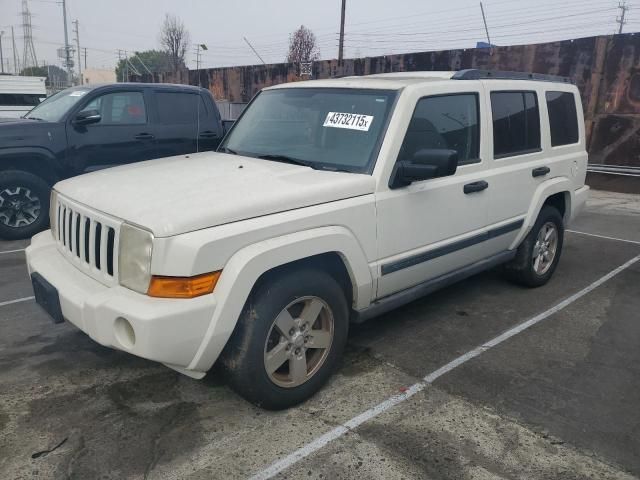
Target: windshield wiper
286,159
35,118
228,150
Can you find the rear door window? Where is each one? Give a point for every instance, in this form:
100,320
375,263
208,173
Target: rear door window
516,123
563,118
177,108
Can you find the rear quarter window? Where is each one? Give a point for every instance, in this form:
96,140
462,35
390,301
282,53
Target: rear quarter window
563,118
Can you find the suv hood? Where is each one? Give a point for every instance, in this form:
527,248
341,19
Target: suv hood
180,194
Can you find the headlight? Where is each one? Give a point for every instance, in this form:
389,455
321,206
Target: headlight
53,218
134,258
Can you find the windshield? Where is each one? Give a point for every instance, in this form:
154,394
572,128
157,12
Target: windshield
324,128
54,107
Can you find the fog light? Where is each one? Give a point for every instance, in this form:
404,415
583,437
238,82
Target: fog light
125,334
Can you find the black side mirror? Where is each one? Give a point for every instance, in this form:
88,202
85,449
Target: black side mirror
423,165
87,117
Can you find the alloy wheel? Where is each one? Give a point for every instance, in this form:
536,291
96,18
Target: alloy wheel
19,207
299,341
545,248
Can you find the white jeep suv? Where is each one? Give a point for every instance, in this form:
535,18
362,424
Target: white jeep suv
329,201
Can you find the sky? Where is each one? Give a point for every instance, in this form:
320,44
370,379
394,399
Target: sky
373,27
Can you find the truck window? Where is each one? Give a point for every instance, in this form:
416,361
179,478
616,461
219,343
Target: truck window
21,99
177,108
563,118
445,122
120,108
516,123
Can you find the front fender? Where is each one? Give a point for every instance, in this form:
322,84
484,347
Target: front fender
247,265
544,191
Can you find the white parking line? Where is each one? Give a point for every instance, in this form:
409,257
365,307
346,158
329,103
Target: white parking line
17,300
339,431
12,251
604,236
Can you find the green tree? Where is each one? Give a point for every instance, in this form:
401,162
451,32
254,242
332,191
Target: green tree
155,60
56,76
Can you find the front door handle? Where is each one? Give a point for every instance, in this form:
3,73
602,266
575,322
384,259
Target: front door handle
540,171
208,134
144,136
475,187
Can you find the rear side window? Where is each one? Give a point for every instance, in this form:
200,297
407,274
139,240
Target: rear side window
516,123
176,108
445,122
563,118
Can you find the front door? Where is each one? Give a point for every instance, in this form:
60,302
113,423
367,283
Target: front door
123,134
436,226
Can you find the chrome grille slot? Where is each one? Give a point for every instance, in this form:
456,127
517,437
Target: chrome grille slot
89,239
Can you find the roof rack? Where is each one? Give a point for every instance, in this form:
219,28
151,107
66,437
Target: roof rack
475,74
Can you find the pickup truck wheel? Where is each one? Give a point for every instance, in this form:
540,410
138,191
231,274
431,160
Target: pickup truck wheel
539,253
24,204
289,339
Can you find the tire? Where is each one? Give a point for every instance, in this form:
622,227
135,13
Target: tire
258,342
523,269
24,204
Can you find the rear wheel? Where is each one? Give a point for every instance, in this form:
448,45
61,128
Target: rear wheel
289,338
24,204
539,253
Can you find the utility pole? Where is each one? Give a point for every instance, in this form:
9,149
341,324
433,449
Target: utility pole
16,67
486,29
254,50
67,48
341,44
77,32
1,57
85,58
126,66
623,10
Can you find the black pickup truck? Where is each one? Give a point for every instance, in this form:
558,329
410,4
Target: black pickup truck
91,127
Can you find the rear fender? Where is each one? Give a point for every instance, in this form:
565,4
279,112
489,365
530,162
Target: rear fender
544,191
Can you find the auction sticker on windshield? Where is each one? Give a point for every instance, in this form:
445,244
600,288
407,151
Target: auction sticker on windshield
352,121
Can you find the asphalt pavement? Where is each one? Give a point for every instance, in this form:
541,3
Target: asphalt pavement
434,390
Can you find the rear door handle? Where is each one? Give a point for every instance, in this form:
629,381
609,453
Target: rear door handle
144,136
540,171
475,187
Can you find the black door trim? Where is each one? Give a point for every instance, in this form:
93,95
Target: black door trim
450,248
395,300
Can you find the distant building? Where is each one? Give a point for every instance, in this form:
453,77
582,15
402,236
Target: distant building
92,76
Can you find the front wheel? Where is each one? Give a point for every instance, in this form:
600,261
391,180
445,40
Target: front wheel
24,204
539,253
289,338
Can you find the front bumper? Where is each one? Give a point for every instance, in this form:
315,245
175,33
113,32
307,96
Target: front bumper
169,331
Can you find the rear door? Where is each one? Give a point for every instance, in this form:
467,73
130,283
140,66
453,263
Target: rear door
520,160
124,133
185,123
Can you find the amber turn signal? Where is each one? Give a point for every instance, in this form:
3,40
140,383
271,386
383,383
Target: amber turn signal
183,287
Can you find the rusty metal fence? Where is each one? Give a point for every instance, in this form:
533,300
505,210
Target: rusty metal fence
605,68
